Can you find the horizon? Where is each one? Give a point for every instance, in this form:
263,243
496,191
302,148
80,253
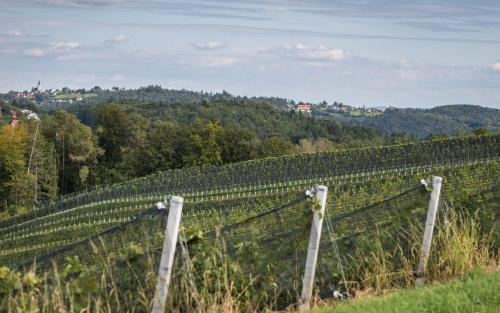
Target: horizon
417,54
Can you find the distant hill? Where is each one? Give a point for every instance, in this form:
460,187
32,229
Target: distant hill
264,119
96,95
448,119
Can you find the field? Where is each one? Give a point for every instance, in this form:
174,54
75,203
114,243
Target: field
477,292
74,96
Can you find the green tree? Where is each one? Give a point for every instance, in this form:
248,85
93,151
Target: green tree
203,147
112,128
76,148
47,170
238,145
315,146
13,185
41,159
276,146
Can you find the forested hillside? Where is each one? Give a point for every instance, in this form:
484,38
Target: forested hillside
263,119
449,120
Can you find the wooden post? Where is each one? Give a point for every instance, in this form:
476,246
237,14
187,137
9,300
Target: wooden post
429,229
168,252
313,249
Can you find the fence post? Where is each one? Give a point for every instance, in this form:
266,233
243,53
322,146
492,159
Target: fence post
429,229
313,249
168,252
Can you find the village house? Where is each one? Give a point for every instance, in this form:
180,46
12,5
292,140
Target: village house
30,114
303,107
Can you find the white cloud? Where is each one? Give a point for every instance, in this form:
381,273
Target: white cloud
211,45
320,53
86,78
52,24
496,66
65,45
15,33
80,3
118,39
76,56
215,62
58,49
34,52
117,78
407,75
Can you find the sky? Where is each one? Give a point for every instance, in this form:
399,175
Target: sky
401,53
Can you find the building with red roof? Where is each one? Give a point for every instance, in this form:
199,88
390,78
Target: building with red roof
304,107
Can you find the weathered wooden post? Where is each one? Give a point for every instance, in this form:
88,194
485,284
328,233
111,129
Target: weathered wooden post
168,253
429,229
313,249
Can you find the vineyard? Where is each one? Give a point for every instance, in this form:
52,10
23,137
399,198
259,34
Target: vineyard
215,196
260,209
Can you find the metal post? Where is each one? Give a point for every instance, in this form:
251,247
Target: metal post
312,252
429,229
168,252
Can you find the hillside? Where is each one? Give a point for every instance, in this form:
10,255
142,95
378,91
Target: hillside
420,123
478,292
262,118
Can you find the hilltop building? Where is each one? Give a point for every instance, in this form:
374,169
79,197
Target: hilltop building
303,107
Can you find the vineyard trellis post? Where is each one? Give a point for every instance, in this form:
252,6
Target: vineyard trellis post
168,252
429,229
313,249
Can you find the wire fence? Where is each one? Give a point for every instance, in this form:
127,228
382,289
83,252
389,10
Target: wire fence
268,235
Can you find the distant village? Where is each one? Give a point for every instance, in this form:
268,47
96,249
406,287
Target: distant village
335,107
67,95
24,113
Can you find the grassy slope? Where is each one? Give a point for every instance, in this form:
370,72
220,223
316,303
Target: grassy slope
477,292
74,96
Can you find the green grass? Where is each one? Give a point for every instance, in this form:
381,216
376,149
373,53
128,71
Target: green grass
477,292
73,96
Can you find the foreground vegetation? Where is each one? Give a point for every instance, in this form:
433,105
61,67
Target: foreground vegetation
476,292
210,279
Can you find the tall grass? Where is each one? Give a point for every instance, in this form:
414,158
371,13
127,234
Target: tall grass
459,245
209,279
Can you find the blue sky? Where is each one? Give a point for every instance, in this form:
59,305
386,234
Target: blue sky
382,52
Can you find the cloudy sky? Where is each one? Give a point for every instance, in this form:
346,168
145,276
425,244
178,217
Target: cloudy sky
416,53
